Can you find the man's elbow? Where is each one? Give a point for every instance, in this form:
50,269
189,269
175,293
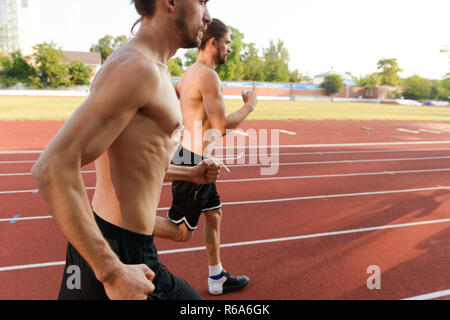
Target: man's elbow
43,171
217,131
40,173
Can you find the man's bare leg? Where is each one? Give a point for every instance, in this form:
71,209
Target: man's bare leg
164,228
212,236
219,281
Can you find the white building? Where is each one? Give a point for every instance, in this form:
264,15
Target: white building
19,25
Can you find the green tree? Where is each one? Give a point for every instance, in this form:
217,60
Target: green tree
80,73
332,84
2,56
445,94
276,62
245,62
49,68
252,64
297,76
16,69
388,71
191,57
417,88
369,81
175,67
108,44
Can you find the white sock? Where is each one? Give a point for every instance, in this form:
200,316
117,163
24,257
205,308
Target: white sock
215,270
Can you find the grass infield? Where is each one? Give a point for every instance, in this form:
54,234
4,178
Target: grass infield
61,108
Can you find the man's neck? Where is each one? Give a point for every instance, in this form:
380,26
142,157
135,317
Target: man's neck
207,59
159,39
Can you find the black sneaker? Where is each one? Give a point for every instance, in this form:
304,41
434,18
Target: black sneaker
226,282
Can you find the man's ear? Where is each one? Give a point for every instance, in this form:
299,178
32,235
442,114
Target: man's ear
213,42
170,5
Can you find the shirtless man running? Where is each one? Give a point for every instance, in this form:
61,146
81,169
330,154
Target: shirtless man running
130,124
202,102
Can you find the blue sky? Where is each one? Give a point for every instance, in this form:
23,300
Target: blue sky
349,35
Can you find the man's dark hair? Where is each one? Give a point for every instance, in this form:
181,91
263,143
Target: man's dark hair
217,29
145,8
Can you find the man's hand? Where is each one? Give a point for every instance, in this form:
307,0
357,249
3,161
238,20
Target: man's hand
206,172
249,98
131,282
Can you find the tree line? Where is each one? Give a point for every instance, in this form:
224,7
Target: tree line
414,87
42,69
245,63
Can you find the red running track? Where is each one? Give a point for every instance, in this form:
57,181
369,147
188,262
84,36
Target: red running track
311,246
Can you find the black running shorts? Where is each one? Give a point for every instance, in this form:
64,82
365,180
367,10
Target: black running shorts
190,199
132,248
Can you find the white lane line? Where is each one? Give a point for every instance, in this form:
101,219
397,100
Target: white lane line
430,131
22,152
257,242
293,154
337,175
362,144
32,266
429,296
289,132
29,173
17,162
25,218
406,130
336,196
336,162
344,152
36,191
284,164
289,199
240,132
310,236
19,191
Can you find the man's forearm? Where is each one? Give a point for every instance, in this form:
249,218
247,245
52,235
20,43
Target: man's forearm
235,119
64,192
178,173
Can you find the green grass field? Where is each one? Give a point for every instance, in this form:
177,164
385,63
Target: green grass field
61,108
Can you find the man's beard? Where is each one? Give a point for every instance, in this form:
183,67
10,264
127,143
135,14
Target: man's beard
219,59
183,28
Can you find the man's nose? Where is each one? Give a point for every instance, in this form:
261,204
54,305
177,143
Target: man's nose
207,17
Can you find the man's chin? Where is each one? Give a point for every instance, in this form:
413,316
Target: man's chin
192,44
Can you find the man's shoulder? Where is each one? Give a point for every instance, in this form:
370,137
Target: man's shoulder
132,64
203,73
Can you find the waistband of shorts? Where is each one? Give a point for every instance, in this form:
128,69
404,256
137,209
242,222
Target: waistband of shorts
113,232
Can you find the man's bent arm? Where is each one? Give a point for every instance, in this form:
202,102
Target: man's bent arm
235,119
214,105
87,135
179,173
205,172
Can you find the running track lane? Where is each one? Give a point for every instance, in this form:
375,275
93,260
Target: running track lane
331,267
31,205
339,247
267,277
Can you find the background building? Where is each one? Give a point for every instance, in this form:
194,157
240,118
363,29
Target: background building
19,25
92,59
